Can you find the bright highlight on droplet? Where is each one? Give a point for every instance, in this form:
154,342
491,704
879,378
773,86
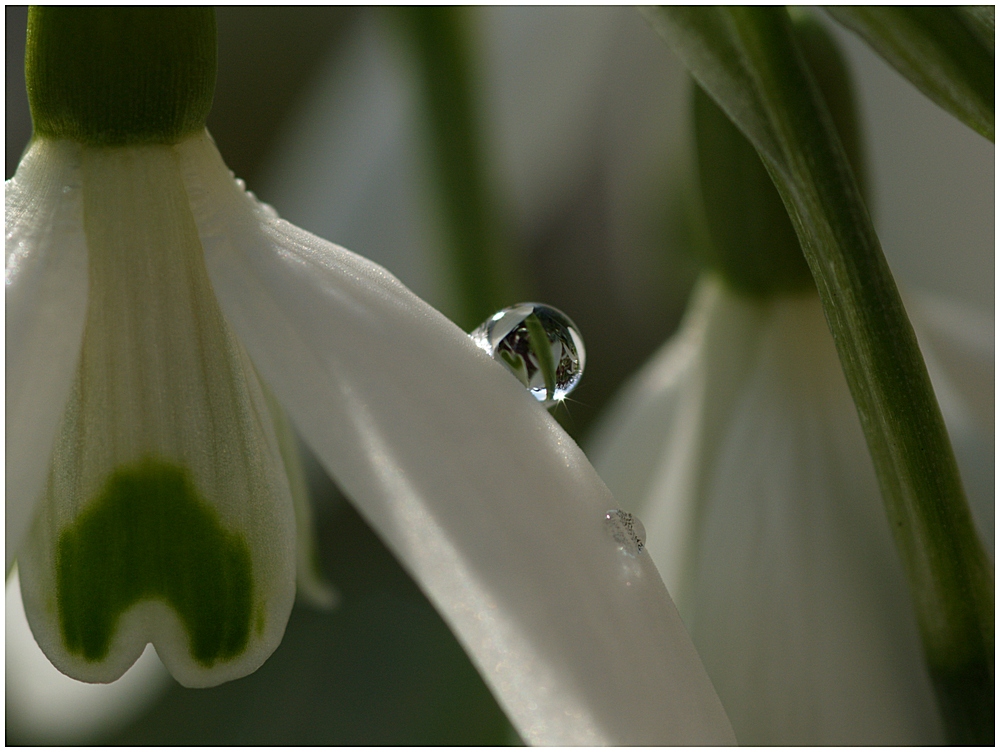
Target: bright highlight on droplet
626,530
539,344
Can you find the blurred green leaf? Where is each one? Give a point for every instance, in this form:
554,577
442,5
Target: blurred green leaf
946,52
747,60
440,41
981,20
754,246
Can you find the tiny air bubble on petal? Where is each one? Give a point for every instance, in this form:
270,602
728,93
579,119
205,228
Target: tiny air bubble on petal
626,530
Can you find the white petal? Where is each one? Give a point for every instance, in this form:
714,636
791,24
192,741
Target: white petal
47,707
46,274
310,585
489,504
167,517
957,345
650,445
792,590
961,340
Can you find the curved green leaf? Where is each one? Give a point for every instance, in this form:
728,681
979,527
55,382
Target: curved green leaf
945,52
981,20
747,60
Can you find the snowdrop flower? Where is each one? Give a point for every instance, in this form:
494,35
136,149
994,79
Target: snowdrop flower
739,447
152,306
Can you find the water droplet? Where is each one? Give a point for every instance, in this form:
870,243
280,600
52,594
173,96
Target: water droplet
269,211
539,345
626,530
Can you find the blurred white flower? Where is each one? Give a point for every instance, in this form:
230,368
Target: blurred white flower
48,707
567,95
740,448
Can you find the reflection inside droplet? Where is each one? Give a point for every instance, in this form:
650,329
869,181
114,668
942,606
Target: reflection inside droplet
626,530
539,344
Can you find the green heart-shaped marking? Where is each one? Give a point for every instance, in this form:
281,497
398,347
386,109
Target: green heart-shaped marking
149,535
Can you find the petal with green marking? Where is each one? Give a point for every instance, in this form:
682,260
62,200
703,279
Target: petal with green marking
487,502
167,516
48,707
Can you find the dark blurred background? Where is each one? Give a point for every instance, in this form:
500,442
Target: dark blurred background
584,151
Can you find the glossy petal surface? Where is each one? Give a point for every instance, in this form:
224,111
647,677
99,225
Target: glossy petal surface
489,504
46,299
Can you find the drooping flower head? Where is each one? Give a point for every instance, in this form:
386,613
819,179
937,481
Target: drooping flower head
165,488
153,306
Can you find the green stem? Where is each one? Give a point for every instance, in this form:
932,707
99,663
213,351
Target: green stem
439,39
747,60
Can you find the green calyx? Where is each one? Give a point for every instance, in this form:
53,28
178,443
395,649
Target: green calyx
753,245
118,76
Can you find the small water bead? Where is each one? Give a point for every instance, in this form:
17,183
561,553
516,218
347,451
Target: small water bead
539,344
626,530
269,211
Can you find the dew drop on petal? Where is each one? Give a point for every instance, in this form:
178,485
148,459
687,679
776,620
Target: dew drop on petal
539,344
626,530
268,211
